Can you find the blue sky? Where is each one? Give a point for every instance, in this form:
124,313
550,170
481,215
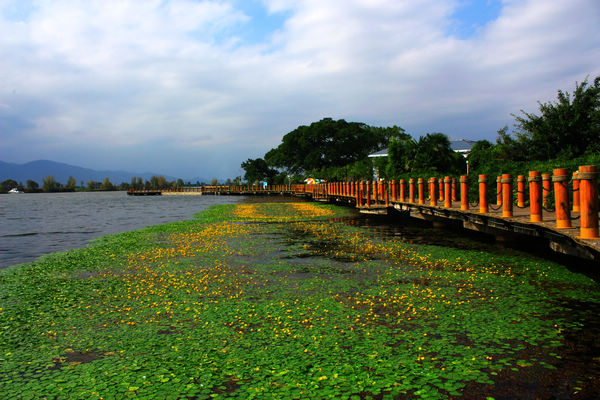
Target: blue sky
192,88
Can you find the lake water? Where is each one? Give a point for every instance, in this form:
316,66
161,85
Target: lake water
35,224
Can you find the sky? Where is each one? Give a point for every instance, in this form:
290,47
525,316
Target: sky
192,88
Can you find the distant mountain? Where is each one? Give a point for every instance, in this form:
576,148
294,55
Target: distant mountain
37,170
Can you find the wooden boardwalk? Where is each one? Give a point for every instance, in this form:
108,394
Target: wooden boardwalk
518,226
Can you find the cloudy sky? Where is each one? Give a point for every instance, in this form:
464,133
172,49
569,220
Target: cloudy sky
191,88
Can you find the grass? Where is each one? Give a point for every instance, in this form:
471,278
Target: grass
276,301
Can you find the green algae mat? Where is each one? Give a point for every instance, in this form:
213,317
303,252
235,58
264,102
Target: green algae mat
286,301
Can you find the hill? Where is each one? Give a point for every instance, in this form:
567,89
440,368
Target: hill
37,170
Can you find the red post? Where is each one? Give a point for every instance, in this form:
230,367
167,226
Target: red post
357,194
421,183
386,195
394,190
402,190
382,184
441,188
483,190
499,190
535,196
560,177
521,191
411,190
588,201
432,192
368,195
464,192
507,206
575,192
447,192
546,178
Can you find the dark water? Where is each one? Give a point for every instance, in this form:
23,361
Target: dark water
35,224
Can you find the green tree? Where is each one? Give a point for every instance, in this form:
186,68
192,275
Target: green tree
433,153
481,153
32,186
106,185
8,185
567,128
257,170
401,154
50,184
71,183
325,144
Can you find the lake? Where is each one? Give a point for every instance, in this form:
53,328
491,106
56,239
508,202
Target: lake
39,223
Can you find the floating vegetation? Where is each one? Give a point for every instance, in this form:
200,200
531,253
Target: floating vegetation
279,301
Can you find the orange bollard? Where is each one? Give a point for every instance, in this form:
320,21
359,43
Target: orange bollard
547,187
394,190
359,195
375,189
432,192
421,184
560,178
386,195
498,190
402,190
535,196
411,190
368,195
575,192
381,185
453,189
464,192
507,206
448,192
588,201
521,191
441,188
483,192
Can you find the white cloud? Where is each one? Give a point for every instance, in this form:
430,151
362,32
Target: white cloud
131,74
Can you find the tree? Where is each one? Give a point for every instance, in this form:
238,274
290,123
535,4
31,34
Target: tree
106,185
71,183
434,154
401,154
257,170
32,186
481,153
564,129
326,144
8,185
50,184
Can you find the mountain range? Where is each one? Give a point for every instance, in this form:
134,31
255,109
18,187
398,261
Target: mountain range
37,170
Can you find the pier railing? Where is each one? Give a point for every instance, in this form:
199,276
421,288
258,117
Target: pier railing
573,197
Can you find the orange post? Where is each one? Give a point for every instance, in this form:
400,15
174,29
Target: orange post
382,185
394,190
453,189
575,192
521,191
483,192
507,206
368,195
386,195
375,189
498,190
421,184
441,188
411,190
547,185
448,192
432,192
535,196
402,190
588,201
464,192
560,177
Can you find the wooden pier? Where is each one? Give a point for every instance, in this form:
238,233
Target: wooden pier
573,230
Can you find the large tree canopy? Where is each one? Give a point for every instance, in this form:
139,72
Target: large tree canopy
257,170
567,128
327,143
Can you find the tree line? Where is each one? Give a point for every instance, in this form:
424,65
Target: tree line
563,133
51,185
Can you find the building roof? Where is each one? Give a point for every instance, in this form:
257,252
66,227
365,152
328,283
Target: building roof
460,146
